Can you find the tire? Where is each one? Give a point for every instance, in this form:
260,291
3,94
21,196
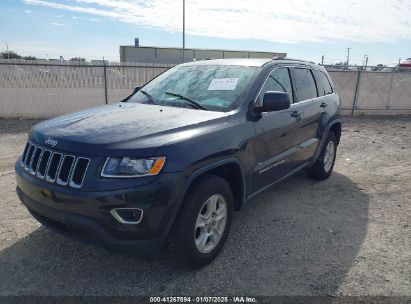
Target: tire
190,240
324,165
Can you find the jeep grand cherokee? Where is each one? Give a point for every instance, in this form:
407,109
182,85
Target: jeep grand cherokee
173,160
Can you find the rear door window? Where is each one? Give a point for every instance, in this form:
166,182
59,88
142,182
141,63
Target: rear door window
305,84
323,84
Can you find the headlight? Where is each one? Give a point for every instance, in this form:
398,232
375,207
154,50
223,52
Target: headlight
132,167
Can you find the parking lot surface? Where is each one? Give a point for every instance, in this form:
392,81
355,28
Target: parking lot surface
348,235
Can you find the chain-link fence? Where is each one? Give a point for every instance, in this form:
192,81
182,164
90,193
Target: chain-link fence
42,90
47,90
373,89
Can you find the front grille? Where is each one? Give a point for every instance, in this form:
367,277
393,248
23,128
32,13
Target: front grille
53,166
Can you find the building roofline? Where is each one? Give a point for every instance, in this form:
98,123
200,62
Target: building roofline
199,49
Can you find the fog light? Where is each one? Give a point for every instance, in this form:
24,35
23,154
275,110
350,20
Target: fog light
127,215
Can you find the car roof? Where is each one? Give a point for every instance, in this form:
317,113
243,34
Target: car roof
255,62
252,62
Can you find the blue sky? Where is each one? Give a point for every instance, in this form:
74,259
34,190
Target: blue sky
304,29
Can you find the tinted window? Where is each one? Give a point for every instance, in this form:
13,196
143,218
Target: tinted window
305,84
323,84
278,80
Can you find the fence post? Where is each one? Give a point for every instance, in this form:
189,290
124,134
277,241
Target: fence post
105,81
357,92
389,93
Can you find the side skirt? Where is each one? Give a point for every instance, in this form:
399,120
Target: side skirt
296,170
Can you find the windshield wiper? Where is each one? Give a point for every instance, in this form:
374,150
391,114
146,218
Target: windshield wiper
151,98
191,102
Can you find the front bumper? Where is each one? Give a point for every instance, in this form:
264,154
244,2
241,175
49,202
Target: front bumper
88,213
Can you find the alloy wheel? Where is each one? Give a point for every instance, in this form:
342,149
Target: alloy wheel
210,224
329,156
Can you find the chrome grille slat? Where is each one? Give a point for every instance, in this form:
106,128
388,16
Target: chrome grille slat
31,157
43,163
54,167
39,161
27,161
79,172
26,148
65,169
35,160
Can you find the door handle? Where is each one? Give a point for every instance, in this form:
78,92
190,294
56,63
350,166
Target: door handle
297,114
323,105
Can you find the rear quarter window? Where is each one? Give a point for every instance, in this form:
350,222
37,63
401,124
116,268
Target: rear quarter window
323,84
305,84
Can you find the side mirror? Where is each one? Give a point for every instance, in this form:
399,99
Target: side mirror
274,101
136,89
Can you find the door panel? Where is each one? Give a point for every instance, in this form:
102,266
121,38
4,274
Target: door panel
310,105
273,148
274,143
285,140
306,129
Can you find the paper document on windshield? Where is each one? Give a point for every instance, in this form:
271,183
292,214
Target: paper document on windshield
223,84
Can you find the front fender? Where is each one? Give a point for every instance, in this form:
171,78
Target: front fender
189,176
214,165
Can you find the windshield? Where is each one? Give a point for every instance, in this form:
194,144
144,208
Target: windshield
206,87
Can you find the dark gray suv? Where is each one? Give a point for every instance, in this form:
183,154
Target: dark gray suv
173,161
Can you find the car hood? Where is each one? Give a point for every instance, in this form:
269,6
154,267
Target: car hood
112,129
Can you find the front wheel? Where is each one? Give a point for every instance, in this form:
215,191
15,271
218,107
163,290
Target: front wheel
324,165
203,223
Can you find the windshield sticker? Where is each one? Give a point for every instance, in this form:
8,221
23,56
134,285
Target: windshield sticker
223,84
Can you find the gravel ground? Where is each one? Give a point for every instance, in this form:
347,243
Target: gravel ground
348,235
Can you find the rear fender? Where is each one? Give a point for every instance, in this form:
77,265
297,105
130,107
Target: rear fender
324,137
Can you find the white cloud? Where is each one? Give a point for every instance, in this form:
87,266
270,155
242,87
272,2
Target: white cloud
58,24
27,11
276,21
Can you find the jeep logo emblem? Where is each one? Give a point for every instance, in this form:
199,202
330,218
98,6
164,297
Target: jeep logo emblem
51,142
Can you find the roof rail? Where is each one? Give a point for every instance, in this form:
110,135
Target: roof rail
291,59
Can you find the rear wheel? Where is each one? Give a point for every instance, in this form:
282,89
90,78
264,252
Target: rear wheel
324,165
203,223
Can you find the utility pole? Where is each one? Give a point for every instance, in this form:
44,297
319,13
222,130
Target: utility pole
105,80
8,54
365,62
322,60
184,28
348,56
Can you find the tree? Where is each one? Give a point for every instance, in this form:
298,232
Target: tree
10,55
29,58
78,59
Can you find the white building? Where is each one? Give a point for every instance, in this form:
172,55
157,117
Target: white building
149,54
